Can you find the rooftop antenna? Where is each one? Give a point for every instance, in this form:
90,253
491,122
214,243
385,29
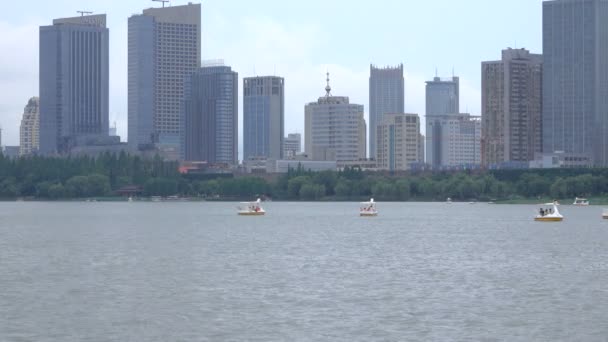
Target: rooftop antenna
163,1
328,88
83,13
436,72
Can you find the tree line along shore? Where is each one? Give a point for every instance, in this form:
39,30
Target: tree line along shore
41,178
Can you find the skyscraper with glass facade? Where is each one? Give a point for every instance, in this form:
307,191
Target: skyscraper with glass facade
74,83
211,115
575,79
263,117
442,99
386,96
164,49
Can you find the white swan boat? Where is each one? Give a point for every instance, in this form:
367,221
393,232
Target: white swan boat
581,202
549,214
252,209
368,209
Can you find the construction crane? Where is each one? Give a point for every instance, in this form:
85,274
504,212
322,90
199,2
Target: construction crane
163,1
83,13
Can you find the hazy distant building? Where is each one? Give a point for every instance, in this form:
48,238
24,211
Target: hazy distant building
263,117
211,116
575,78
292,145
442,99
29,131
511,109
164,49
10,151
386,95
74,83
399,142
335,129
460,136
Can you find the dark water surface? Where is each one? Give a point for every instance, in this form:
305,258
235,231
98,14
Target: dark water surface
305,272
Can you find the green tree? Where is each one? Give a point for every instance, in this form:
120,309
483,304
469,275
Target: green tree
57,191
98,185
160,187
403,190
294,186
78,186
343,188
311,191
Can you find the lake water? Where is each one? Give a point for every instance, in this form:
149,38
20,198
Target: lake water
305,272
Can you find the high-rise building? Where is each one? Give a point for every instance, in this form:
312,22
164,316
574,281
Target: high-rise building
399,142
511,109
164,49
29,132
263,117
74,82
386,95
442,99
292,145
460,136
575,78
443,96
335,129
211,115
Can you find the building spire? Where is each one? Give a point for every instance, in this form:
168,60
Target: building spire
328,88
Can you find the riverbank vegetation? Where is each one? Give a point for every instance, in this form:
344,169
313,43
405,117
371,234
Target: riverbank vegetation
75,178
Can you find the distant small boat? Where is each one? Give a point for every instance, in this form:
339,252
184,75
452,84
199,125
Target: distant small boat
251,209
368,209
130,199
156,199
605,214
581,202
448,201
549,215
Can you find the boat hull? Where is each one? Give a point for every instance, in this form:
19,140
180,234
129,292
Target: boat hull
368,214
548,219
252,214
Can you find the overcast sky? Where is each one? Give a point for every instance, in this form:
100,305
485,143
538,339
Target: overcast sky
298,40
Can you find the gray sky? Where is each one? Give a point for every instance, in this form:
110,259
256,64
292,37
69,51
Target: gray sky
298,40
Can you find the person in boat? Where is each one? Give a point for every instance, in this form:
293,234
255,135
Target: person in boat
542,212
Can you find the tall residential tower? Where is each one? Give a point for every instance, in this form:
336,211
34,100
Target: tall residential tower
511,97
386,96
164,49
29,131
74,83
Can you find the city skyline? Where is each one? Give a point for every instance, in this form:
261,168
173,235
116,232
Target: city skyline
304,48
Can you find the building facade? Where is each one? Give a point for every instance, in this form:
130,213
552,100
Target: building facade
211,116
442,99
575,79
74,83
164,49
399,142
29,131
460,137
263,117
386,95
292,145
335,129
511,109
